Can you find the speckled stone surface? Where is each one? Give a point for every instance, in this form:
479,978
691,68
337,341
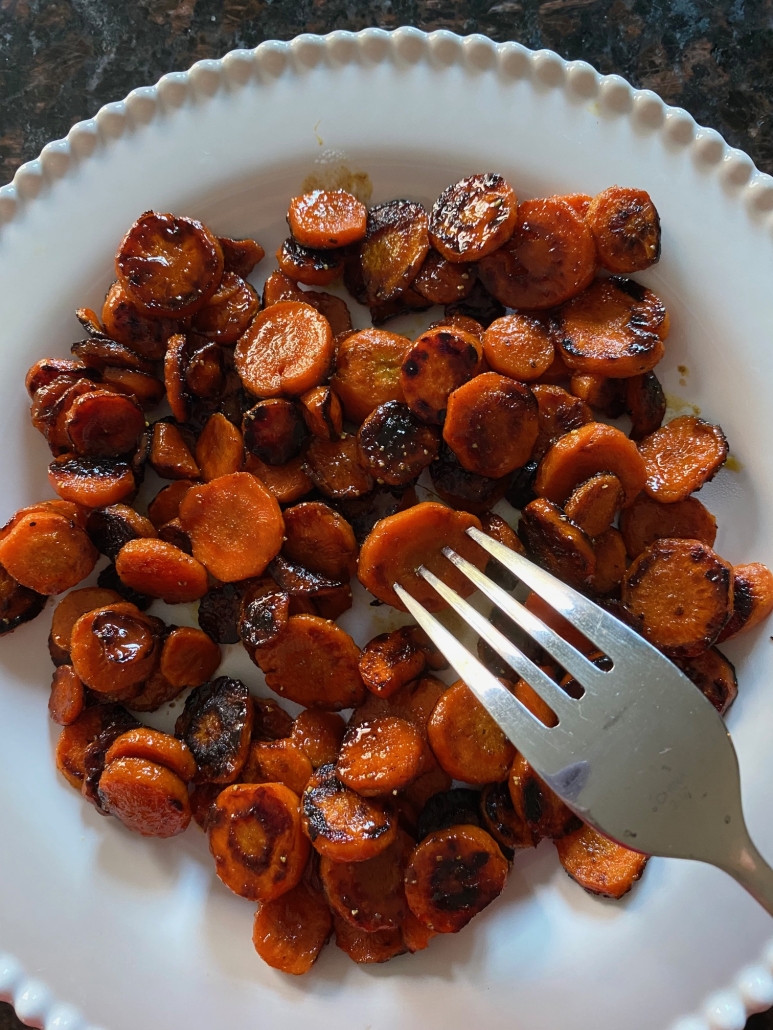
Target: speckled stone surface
60,60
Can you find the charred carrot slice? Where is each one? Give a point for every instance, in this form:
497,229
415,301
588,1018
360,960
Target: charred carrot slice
169,453
277,761
290,931
256,839
459,321
615,328
367,948
98,352
67,699
272,722
188,657
154,746
681,594
495,526
314,663
216,724
369,895
491,425
442,281
594,504
390,660
558,413
327,218
125,321
519,346
713,675
598,864
47,553
465,490
582,453
394,445
335,310
501,820
318,735
395,245
309,266
322,412
549,257
682,457
146,797
169,266
646,521
158,569
453,875
18,604
279,287
75,739
114,648
335,469
228,312
234,524
175,363
288,483
67,613
321,540
611,562
600,393
240,256
165,506
534,802
203,370
626,229
381,756
552,540
91,482
47,370
473,217
145,389
645,402
274,430
465,739
155,692
341,824
219,448
752,598
440,361
368,371
287,350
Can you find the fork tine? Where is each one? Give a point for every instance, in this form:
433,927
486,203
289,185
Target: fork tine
539,744
547,688
567,656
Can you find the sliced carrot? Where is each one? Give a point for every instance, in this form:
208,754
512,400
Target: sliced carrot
433,781
205,371
156,691
369,895
752,598
240,256
114,648
368,371
175,362
578,202
46,370
235,526
394,445
216,724
645,402
598,864
321,540
126,322
395,245
558,413
340,823
536,804
611,562
473,217
146,390
501,820
274,430
148,798
626,229
594,504
606,396
319,735
219,448
713,675
465,739
188,657
277,761
441,281
290,931
98,352
682,457
75,739
463,322
549,257
279,287
381,756
47,553
646,521
102,424
228,312
173,533
287,350
67,613
335,469
165,506
271,722
389,661
91,482
67,699
288,483
367,948
440,361
552,540
154,746
169,453
322,413
582,453
327,218
519,346
159,569
309,266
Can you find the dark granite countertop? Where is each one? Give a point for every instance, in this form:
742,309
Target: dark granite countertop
60,60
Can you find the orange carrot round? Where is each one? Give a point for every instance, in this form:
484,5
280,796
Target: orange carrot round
287,350
327,218
158,569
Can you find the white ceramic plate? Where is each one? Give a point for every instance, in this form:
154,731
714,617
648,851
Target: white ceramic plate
140,933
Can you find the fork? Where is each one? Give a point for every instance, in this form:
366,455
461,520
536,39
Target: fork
641,756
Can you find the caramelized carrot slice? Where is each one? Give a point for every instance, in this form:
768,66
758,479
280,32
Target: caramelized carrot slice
114,648
240,256
169,266
219,448
752,598
381,756
288,483
47,553
395,245
626,229
465,739
578,202
582,453
46,370
91,482
204,371
400,543
549,257
290,931
519,346
394,445
125,321
98,352
558,545
145,389
593,504
611,562
491,425
368,371
288,350
646,521
67,613
234,524
154,746
175,363
169,453
442,281
440,361
645,402
274,430
604,395
165,506
102,424
536,804
159,569
305,265
335,469
155,692
318,735
682,457
321,540
216,724
279,287
189,657
341,824
713,675
228,312
314,663
367,948
322,413
558,413
473,217
67,699
370,895
277,761
453,875
327,218
75,739
501,820
272,722
598,864
148,798
390,660
681,594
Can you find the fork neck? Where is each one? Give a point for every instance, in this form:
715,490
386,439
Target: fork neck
747,866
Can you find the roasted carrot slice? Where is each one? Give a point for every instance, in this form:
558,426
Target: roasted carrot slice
598,864
478,305
18,604
647,521
400,543
98,352
51,406
682,457
277,761
582,453
46,370
390,660
536,804
114,648
457,807
626,229
611,562
368,371
47,553
67,699
155,692
464,490
75,739
578,202
219,448
341,824
553,541
154,746
495,526
465,739
519,346
256,839
321,540
615,328
279,287
458,321
334,309
125,321
175,364
453,875
594,504
681,594
645,402
263,619
752,598
370,895
274,430
91,482
228,312
473,217
288,350
110,528
500,819
159,569
188,657
442,281
216,724
432,782
271,722
549,257
235,526
606,396
367,948
145,389
288,483
713,675
309,266
319,735
204,371
148,798
491,424
165,506
440,361
67,613
322,412
240,256
314,663
327,218
173,533
394,445
395,245
169,266
290,931
169,453
381,756
334,468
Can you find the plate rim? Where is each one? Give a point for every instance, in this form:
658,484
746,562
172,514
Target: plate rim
752,989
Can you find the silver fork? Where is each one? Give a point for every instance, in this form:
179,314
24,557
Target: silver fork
642,756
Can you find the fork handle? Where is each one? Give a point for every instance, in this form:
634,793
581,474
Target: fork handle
749,868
